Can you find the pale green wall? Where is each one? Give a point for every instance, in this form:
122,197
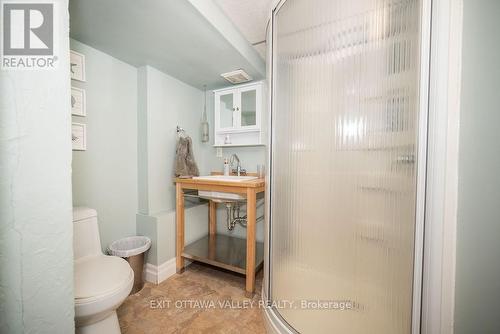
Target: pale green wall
160,229
165,102
36,230
142,142
105,175
477,301
146,105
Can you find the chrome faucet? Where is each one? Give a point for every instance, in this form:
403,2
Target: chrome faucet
238,169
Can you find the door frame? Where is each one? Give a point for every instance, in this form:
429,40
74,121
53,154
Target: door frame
438,283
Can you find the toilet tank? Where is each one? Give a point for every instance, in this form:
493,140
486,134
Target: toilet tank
86,241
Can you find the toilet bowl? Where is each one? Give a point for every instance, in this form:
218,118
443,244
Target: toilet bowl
101,282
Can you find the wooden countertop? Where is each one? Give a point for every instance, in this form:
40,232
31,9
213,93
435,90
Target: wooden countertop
257,183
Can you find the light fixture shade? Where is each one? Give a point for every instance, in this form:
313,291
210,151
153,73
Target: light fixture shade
205,132
205,137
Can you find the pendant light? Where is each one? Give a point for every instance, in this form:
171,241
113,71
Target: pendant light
204,122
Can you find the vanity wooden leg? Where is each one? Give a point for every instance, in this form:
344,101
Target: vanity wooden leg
212,219
179,217
251,216
212,229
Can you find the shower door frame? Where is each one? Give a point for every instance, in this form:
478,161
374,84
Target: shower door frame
275,318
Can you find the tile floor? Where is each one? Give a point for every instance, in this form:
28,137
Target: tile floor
201,300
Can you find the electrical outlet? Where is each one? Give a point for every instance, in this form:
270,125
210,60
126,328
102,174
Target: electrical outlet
219,152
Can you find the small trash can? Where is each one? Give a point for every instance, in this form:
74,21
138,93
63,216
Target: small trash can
132,249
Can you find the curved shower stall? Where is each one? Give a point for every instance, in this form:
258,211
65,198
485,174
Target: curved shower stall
347,165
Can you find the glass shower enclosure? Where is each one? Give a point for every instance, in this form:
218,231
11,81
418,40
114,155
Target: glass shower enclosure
347,165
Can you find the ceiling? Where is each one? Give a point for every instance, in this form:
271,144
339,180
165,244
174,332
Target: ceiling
170,35
250,17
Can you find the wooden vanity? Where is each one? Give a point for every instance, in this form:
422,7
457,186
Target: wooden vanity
230,253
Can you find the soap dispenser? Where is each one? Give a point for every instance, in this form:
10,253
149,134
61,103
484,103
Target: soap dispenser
226,167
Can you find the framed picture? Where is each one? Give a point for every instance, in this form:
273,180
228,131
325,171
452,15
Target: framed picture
79,136
77,66
78,102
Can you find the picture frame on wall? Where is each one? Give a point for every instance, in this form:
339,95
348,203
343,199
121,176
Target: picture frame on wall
79,136
78,102
77,66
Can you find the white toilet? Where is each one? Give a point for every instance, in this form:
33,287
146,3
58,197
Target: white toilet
101,282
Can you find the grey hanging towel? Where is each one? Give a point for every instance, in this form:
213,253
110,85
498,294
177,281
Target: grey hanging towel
184,159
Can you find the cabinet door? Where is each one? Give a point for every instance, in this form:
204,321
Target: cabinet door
226,110
249,106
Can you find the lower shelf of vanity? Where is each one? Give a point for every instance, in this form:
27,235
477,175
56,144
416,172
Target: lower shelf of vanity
224,251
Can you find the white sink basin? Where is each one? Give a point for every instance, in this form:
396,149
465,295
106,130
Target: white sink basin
217,195
222,195
225,178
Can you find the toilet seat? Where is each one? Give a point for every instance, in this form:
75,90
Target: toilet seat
97,276
101,284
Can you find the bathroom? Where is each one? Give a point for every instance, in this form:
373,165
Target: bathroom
344,177
139,103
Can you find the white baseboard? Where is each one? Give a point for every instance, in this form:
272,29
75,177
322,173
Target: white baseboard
157,274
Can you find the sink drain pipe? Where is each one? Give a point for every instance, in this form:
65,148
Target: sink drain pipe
233,216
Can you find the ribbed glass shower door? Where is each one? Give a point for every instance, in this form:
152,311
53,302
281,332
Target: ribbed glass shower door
345,123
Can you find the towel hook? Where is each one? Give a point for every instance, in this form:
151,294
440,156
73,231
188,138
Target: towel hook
181,132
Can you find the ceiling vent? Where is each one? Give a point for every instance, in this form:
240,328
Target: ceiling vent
236,77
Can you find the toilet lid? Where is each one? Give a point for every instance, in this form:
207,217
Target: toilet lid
100,275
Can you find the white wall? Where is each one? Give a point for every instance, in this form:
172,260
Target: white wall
36,231
105,175
477,301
